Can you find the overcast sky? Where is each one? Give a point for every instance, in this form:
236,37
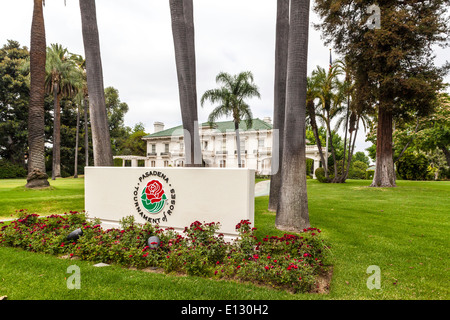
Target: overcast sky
138,53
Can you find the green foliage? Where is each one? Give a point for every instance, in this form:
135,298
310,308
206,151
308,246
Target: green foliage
9,170
357,170
14,97
370,174
413,166
361,156
320,175
291,262
230,97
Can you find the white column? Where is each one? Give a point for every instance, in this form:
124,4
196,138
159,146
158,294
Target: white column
316,165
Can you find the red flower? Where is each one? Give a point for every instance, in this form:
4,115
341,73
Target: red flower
154,191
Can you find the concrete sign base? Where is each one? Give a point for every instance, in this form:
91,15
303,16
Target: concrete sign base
171,197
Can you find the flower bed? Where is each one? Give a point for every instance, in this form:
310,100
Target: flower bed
291,262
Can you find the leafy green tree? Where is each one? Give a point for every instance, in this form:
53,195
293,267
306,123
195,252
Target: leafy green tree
357,169
134,144
393,62
116,110
436,132
361,156
14,100
413,166
230,97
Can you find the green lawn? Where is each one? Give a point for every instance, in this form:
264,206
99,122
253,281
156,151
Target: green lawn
404,231
63,195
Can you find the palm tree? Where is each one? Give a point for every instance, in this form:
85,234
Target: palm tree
101,140
81,63
281,50
312,94
329,91
36,125
292,213
60,81
230,97
181,12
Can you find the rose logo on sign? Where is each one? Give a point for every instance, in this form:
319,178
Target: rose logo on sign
154,197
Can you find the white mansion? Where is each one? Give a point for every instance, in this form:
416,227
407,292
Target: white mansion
165,147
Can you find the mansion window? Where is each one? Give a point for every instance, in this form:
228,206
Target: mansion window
260,143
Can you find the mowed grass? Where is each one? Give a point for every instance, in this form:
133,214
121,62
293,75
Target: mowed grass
404,231
62,196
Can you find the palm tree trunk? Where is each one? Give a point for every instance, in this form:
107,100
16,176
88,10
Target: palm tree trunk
333,152
101,140
238,142
292,213
181,16
86,131
56,161
345,138
315,130
384,170
281,53
351,150
75,169
37,176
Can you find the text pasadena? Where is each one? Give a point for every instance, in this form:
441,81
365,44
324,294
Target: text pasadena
154,173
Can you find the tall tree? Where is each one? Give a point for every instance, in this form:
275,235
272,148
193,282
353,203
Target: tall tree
36,126
311,95
230,97
393,60
81,62
330,97
61,81
281,53
101,141
292,213
181,12
14,101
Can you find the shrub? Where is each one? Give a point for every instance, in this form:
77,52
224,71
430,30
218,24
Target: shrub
357,170
370,174
413,166
9,170
320,175
290,261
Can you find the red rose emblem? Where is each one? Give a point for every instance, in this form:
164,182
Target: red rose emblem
154,191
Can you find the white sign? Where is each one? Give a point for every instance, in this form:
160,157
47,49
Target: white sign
170,197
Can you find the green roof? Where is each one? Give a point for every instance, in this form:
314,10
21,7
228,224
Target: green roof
224,126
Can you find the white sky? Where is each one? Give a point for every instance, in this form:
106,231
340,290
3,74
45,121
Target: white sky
138,54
